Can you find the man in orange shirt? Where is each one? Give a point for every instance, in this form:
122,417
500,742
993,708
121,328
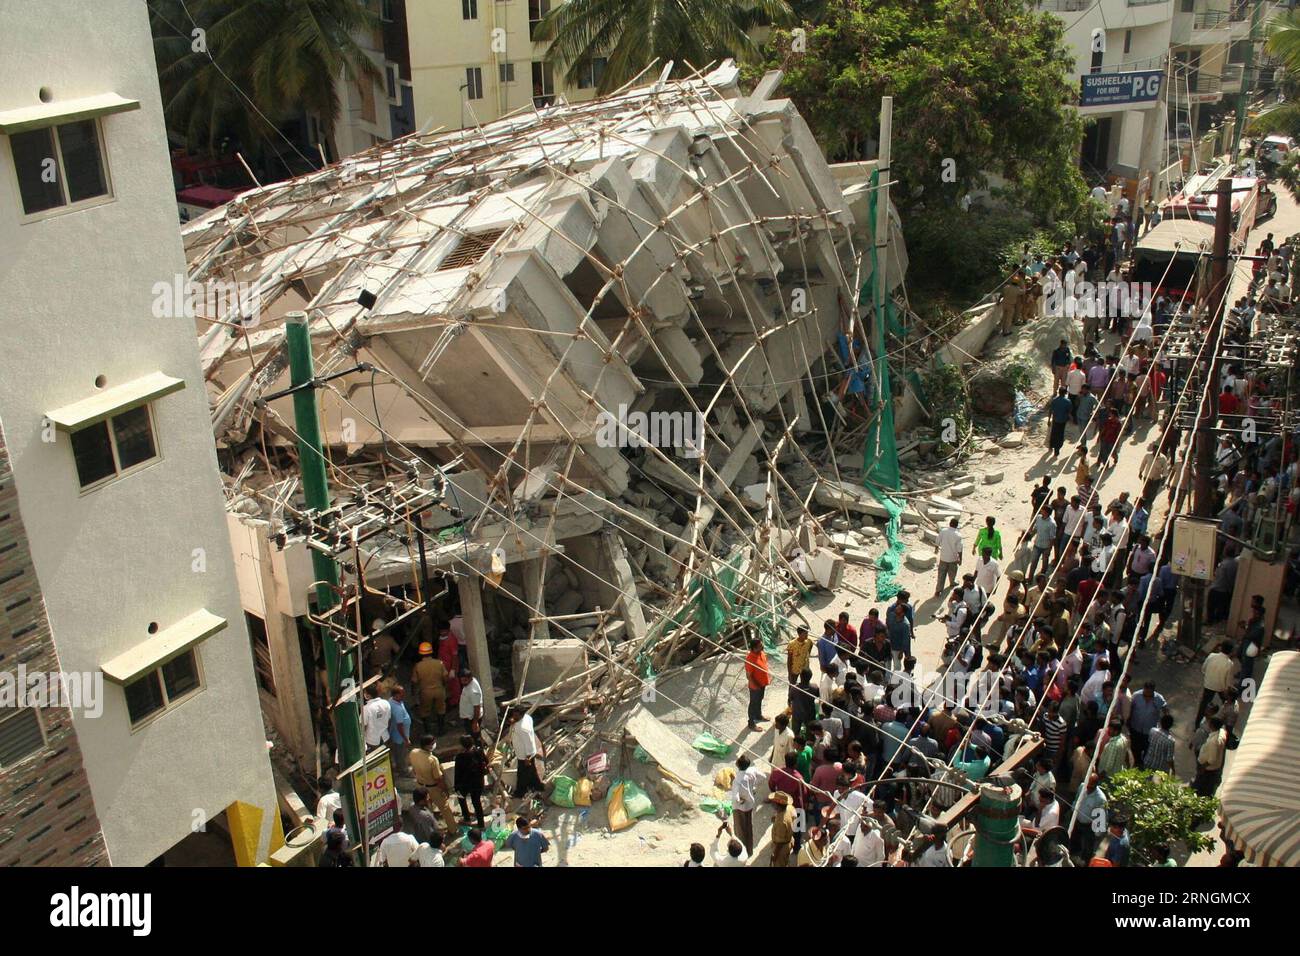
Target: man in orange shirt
758,675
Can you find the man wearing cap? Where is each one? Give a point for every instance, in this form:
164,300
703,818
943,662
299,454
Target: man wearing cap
784,824
428,773
429,679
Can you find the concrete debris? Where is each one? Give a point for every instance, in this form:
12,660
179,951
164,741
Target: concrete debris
1012,440
921,560
992,477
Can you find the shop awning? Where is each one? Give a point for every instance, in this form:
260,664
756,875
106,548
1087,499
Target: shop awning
114,401
63,111
1260,803
161,647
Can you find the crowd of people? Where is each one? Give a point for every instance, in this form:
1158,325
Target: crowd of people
865,748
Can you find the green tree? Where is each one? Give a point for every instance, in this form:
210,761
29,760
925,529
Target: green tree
256,64
633,34
979,87
1161,810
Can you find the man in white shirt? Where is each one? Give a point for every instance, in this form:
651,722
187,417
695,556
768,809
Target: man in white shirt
950,552
527,748
832,678
1072,517
958,613
1048,816
868,847
736,854
938,853
743,797
375,717
471,700
430,854
850,806
987,572
398,848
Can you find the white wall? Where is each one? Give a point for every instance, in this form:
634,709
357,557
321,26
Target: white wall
77,304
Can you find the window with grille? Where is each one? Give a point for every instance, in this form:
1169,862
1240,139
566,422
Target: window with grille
506,72
469,9
21,735
471,249
59,166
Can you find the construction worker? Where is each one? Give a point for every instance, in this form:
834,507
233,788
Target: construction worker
429,680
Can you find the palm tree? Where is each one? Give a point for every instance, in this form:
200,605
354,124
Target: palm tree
260,63
632,34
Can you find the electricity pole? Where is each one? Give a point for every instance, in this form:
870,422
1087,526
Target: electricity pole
1207,416
338,665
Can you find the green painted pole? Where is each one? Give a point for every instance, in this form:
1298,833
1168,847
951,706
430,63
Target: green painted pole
338,665
1247,68
997,824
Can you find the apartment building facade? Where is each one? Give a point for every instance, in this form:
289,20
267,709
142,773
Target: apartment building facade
115,561
473,61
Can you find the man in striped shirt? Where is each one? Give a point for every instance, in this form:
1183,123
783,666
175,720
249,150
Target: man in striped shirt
1053,728
1160,746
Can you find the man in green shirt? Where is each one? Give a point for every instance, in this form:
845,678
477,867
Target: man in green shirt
989,538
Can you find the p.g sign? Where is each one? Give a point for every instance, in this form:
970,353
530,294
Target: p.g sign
1121,89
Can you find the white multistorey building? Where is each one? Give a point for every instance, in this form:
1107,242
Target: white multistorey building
473,61
114,470
1111,37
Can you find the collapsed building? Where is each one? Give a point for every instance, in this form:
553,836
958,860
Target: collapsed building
575,370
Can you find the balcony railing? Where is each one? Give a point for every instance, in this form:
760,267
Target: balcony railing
1213,19
1062,6
1145,3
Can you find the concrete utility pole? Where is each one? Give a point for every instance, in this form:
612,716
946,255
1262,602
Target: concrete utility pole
338,665
1208,409
1215,302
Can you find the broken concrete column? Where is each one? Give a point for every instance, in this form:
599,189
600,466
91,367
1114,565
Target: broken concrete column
470,588
535,596
622,577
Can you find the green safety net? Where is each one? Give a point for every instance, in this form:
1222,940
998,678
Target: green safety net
717,605
880,451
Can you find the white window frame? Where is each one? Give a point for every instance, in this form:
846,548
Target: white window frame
169,705
67,207
532,24
470,7
112,443
45,739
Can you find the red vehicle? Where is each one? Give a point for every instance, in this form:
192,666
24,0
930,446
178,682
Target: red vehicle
203,184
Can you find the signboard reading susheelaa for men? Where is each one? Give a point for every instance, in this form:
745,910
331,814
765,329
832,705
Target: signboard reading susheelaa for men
1119,89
